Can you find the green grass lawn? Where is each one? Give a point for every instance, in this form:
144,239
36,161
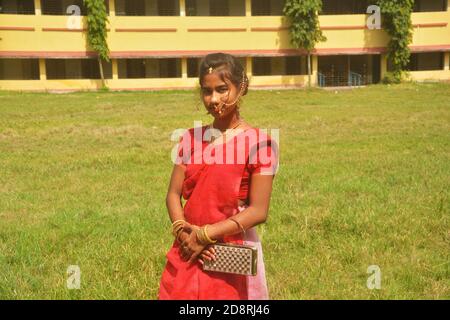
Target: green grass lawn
364,180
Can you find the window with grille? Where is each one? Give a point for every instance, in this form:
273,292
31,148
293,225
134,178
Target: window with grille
219,8
76,69
271,66
215,8
430,5
345,6
192,67
59,7
268,7
147,8
17,6
426,61
19,69
149,68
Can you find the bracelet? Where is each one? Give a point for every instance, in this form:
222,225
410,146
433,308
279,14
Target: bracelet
203,237
205,232
200,236
178,221
239,225
177,237
177,226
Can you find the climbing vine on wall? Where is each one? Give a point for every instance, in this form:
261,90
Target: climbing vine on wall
97,19
304,25
396,15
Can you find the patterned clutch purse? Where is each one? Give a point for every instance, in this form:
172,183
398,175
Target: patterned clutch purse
233,258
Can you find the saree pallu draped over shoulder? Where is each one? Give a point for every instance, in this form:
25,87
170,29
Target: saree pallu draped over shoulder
213,175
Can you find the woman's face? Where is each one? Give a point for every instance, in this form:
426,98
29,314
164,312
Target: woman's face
216,92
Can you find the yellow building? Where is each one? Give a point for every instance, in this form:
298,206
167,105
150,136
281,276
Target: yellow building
157,44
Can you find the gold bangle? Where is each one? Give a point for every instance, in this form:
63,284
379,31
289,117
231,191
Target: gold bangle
177,226
200,236
181,223
205,232
177,237
177,230
178,221
239,225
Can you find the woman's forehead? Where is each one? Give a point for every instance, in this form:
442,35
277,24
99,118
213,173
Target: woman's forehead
214,80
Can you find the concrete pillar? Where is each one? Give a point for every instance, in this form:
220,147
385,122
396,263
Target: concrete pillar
115,69
184,68
383,67
37,7
182,8
248,8
112,8
370,69
42,70
447,61
249,66
314,70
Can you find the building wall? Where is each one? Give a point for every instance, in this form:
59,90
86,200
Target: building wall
44,36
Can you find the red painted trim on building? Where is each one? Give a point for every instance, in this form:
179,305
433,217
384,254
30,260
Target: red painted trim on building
217,29
199,53
430,25
349,51
48,54
146,30
17,29
360,27
67,30
269,29
444,47
253,53
344,28
64,30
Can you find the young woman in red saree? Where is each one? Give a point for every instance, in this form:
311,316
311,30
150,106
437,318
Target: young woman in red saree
225,172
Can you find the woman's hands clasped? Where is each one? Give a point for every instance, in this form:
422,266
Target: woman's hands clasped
190,246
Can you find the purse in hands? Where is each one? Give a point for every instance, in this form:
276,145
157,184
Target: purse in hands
233,258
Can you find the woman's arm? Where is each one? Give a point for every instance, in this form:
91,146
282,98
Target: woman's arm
256,213
176,212
173,198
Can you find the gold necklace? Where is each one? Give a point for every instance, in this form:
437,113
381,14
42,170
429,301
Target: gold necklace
223,133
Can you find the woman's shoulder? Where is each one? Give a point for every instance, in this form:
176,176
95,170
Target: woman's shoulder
260,133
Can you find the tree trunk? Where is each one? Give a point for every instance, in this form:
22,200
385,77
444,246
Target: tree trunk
309,69
101,72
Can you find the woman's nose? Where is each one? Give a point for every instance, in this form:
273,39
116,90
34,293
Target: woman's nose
214,97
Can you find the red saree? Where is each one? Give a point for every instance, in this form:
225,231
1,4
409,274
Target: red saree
212,191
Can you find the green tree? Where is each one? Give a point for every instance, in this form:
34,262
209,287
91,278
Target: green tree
97,19
304,25
396,15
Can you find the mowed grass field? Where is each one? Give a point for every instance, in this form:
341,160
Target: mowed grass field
364,180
